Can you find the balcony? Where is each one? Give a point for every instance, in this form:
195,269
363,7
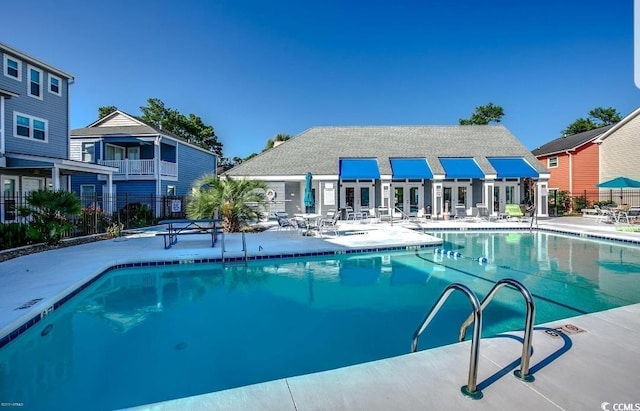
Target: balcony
140,168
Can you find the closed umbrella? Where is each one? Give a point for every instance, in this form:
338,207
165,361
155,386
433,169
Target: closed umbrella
308,193
620,182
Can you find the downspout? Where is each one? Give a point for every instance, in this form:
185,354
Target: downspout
157,172
570,171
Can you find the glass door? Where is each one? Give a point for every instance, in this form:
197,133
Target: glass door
399,200
414,201
9,197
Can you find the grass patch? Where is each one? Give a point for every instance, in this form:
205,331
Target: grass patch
629,229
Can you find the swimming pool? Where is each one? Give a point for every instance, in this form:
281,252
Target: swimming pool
143,335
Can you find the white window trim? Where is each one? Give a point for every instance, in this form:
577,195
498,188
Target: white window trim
549,162
6,67
121,149
31,129
29,68
49,84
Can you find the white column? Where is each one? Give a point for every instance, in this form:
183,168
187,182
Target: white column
108,205
542,199
55,178
488,196
437,200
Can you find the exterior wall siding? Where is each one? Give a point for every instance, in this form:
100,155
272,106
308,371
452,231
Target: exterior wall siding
52,108
560,175
619,152
192,164
586,170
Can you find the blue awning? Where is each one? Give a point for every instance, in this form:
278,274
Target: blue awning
461,168
359,168
512,167
416,168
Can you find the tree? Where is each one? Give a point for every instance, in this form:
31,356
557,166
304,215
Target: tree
484,115
191,129
579,126
48,212
105,111
598,117
238,201
278,137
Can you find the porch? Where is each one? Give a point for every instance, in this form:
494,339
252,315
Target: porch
141,168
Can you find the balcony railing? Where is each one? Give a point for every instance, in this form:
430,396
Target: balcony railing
129,168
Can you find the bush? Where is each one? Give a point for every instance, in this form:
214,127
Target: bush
136,215
13,235
92,220
48,214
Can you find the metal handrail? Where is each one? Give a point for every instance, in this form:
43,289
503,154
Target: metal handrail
471,389
523,373
244,248
222,248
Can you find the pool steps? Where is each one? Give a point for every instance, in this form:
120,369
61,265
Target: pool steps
471,389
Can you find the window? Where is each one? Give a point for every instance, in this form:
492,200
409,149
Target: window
88,195
171,191
88,152
35,82
29,127
12,68
552,162
55,85
114,152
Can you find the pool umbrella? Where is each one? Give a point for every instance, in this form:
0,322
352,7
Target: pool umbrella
308,193
620,182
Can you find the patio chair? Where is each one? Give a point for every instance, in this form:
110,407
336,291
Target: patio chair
513,211
461,212
365,214
384,214
284,223
483,213
329,223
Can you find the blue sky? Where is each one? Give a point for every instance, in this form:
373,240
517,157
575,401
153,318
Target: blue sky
253,69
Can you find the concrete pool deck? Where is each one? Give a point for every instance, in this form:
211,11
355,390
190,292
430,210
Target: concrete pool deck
574,371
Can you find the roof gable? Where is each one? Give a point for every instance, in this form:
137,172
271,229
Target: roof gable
117,119
619,125
570,143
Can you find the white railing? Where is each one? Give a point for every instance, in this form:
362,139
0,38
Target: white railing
168,169
140,167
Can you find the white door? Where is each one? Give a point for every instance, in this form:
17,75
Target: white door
504,193
133,155
407,199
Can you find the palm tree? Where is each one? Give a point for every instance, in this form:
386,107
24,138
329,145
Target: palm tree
237,201
48,213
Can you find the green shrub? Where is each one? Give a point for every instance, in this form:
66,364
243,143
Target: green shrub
48,213
13,235
136,215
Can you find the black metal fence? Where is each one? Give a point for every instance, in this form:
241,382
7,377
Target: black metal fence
97,215
565,202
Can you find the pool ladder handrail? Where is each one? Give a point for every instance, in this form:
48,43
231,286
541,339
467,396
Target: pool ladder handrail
523,372
245,259
471,389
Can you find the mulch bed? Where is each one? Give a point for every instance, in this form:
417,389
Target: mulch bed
37,248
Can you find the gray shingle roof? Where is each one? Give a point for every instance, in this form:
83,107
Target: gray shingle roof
319,149
569,142
117,130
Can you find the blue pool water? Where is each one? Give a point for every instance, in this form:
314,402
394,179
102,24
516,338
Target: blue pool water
143,335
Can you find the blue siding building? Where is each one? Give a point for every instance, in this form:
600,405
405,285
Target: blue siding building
34,130
150,163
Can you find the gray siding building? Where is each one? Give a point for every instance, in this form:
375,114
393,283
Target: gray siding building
410,170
